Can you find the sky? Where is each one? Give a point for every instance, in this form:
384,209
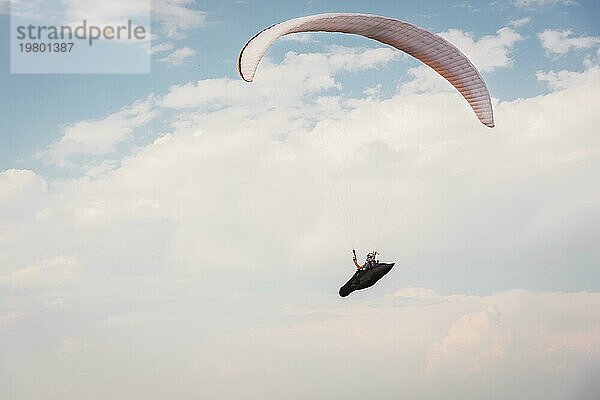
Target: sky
183,234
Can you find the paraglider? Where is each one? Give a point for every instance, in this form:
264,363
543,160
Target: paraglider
366,275
427,47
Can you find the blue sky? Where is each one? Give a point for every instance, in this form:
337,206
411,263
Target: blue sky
185,226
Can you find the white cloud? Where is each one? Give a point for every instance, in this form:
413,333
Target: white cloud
467,6
14,183
489,52
161,47
21,193
300,38
177,16
472,342
561,42
106,12
424,80
70,346
174,17
99,137
22,8
516,23
527,342
592,60
214,249
300,74
440,350
543,3
8,318
253,135
178,56
416,292
47,272
566,79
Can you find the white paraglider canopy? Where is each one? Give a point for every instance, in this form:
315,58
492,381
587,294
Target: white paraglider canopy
425,46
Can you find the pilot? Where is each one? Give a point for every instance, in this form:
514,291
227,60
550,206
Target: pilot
369,263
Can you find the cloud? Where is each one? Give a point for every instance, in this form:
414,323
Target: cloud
302,74
527,342
16,183
22,8
8,318
489,52
300,38
227,137
415,292
467,6
161,48
177,16
543,3
70,346
99,137
472,341
200,247
178,56
517,23
565,79
174,18
110,12
561,42
21,192
47,272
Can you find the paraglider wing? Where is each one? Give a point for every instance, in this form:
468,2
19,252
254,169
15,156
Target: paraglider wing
425,46
365,278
